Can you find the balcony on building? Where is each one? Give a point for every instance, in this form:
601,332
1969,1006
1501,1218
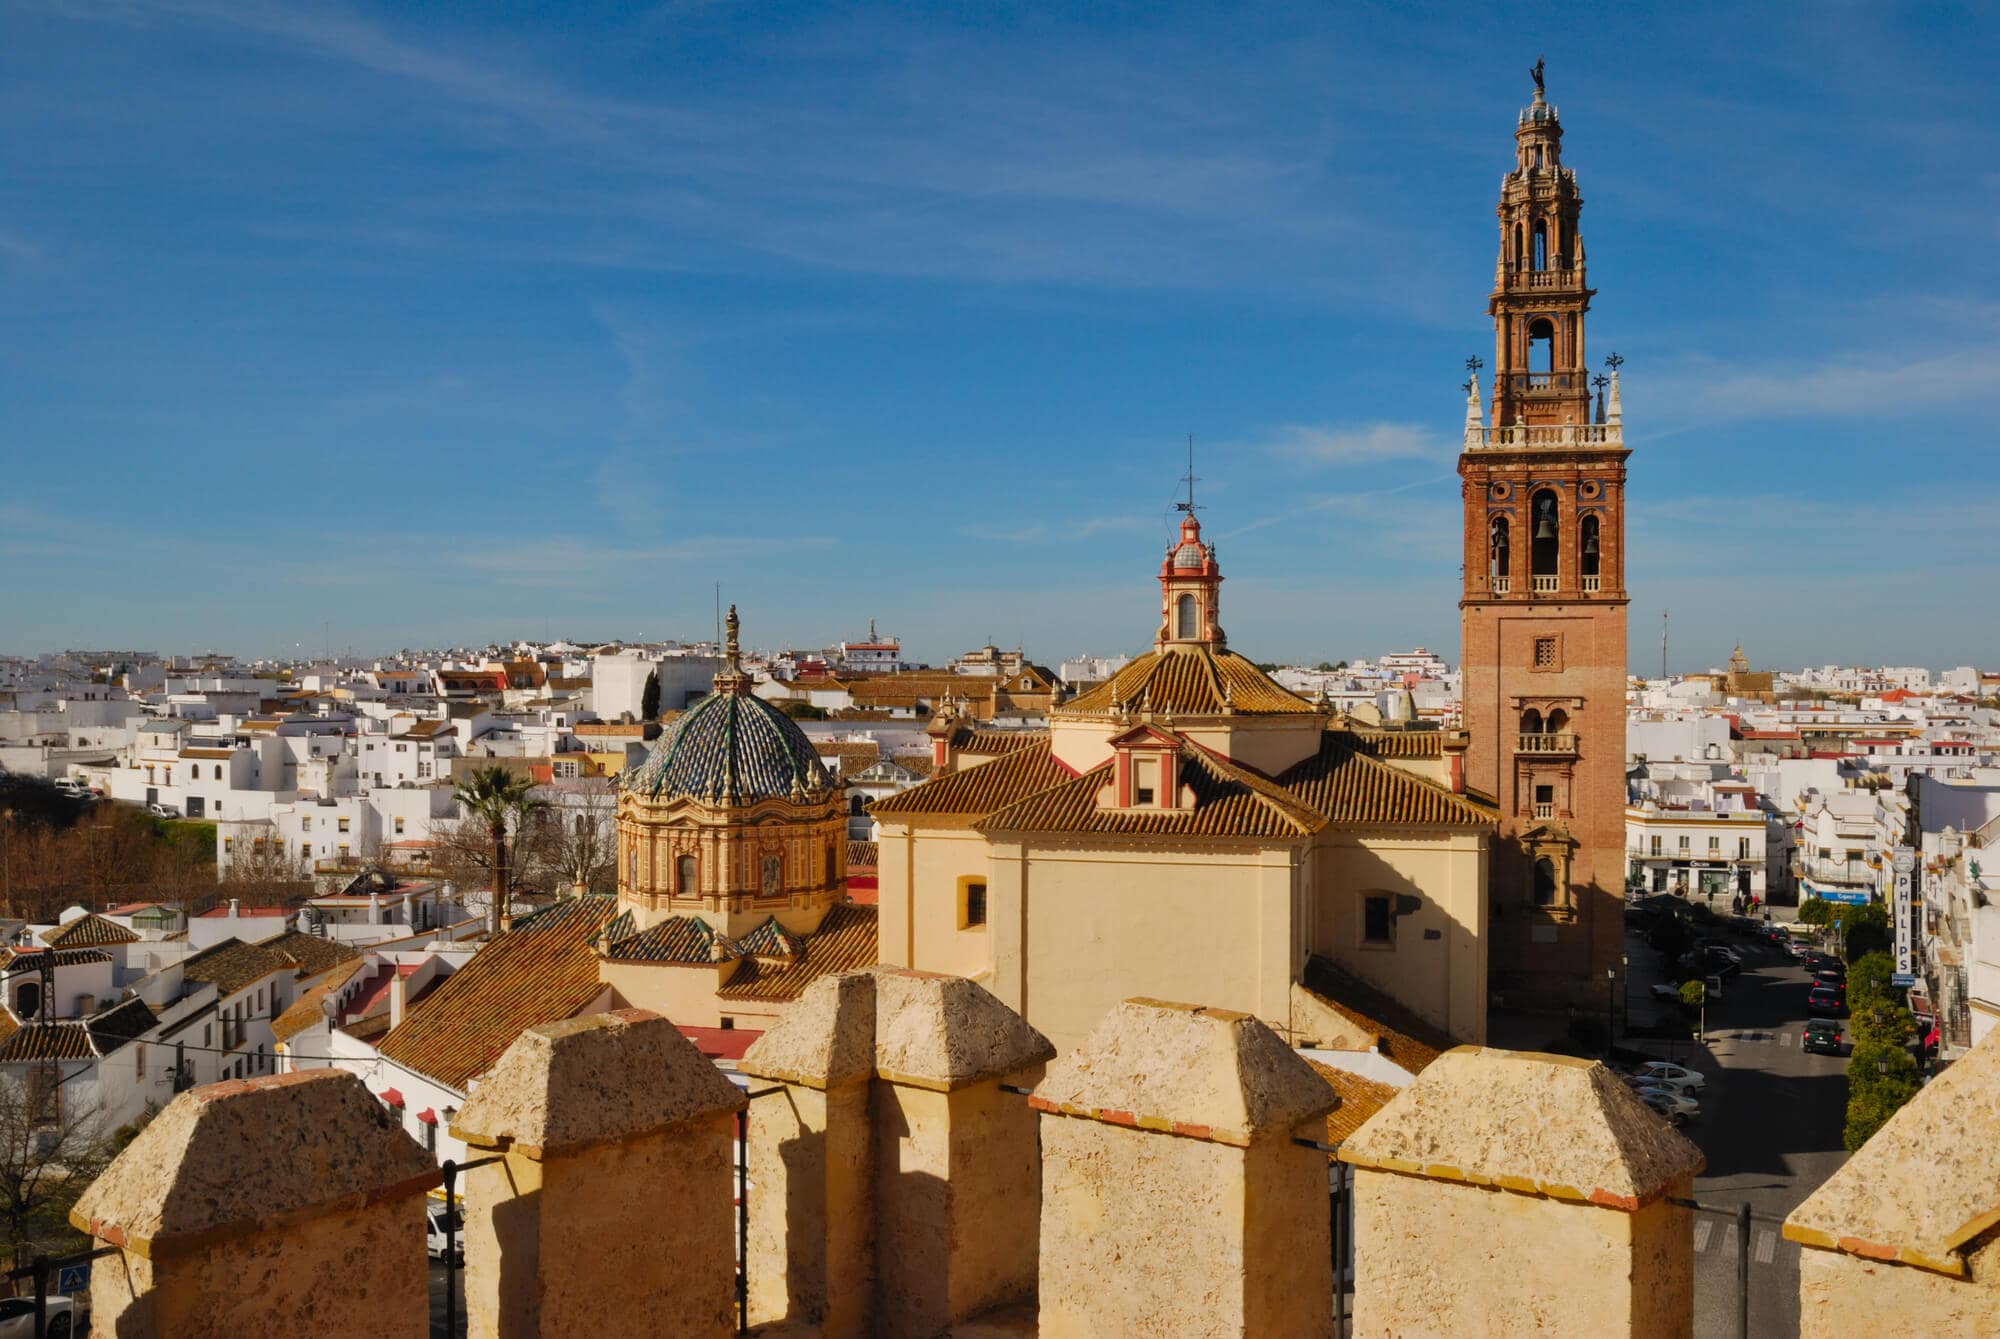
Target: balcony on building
1559,743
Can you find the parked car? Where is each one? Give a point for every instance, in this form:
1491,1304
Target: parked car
158,810
1822,1035
1675,1105
1826,1000
17,1317
1668,1073
1667,992
1830,976
434,1230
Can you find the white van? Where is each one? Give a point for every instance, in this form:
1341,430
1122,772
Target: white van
434,1228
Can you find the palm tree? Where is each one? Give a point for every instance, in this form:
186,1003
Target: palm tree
495,796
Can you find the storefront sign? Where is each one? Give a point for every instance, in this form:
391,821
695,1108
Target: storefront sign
1905,866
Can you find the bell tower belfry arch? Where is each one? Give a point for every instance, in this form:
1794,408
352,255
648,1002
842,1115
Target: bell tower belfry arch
1543,599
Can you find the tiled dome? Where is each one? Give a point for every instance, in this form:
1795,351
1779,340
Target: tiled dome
735,748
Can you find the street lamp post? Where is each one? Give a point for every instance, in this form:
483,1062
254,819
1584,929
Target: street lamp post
1610,1005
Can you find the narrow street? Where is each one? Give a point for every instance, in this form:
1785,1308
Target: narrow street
1770,1125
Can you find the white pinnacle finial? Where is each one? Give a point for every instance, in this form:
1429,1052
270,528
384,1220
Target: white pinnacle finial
1614,411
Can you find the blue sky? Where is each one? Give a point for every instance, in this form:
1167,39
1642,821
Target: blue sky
411,325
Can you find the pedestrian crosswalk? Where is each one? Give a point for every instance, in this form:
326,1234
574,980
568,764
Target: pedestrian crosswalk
1780,1038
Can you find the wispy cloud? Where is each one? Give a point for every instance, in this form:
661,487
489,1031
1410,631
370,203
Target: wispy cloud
1845,386
1356,444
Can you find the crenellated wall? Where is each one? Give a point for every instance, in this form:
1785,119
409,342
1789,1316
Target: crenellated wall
921,1165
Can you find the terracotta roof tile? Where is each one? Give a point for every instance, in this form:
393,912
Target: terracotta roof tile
1400,743
311,954
65,957
687,939
1229,801
86,931
1400,1034
846,941
542,970
863,855
1352,788
994,743
233,964
1190,681
1359,1099
970,795
305,1011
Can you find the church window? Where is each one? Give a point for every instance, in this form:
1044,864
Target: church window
856,804
685,872
1545,801
1545,654
1145,780
1541,332
632,867
774,875
1497,558
1588,547
1547,536
1558,721
1186,614
1377,925
1545,882
1541,232
971,903
1531,722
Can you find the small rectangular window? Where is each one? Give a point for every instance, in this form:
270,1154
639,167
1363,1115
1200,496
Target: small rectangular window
1375,920
1742,848
975,903
1715,846
1545,653
1145,779
1656,843
1545,794
1684,843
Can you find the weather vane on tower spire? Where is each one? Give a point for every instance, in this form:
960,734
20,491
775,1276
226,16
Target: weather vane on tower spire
1189,480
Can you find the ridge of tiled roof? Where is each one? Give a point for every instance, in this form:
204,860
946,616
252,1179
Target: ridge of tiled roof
1400,743
846,941
311,954
1190,681
685,939
542,970
1400,1034
1352,788
305,1011
994,743
65,1040
88,931
65,957
770,940
1229,801
863,854
233,964
970,795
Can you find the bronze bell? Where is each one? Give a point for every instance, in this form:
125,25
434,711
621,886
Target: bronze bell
1546,528
1590,545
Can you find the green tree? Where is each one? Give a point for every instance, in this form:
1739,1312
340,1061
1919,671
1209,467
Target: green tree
649,698
496,797
1881,1072
1863,930
1815,911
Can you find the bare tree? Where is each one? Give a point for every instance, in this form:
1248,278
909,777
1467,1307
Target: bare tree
51,1147
574,840
264,868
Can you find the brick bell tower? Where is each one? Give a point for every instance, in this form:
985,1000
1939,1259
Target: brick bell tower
1544,601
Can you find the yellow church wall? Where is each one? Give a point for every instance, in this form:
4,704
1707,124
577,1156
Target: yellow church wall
1442,979
1270,744
684,994
1203,926
918,900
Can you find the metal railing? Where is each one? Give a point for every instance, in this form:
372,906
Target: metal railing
1562,741
40,1269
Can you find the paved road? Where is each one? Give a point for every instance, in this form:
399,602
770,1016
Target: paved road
438,1274
1770,1124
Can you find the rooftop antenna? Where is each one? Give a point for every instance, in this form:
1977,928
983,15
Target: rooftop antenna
718,613
1663,644
1189,480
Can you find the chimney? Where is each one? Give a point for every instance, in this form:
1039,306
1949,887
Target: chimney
233,910
398,997
1455,743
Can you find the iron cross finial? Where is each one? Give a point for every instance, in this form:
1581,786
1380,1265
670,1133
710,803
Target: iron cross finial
1473,364
1615,361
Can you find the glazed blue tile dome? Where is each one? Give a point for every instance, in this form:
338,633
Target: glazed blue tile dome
735,748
